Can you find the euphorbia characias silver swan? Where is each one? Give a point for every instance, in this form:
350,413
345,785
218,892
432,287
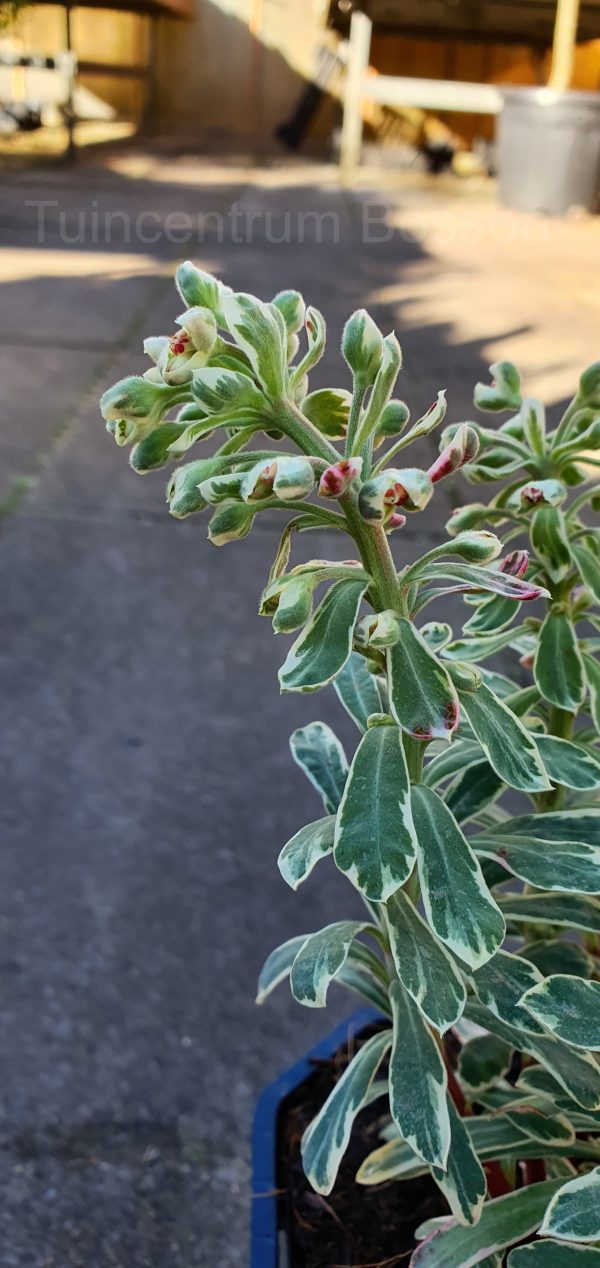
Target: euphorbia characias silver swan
477,921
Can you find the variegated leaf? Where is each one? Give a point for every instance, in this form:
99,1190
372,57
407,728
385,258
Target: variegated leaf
320,959
592,671
303,851
261,336
423,700
560,825
326,1139
418,1082
577,1072
552,909
559,956
484,579
457,902
503,1222
550,542
477,787
569,1007
482,1060
589,567
278,966
424,967
558,666
317,750
374,833
549,1254
325,643
500,985
358,690
573,1214
508,746
569,764
569,866
464,1183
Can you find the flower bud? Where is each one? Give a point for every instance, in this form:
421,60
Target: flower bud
294,607
589,386
462,449
199,323
134,406
505,391
200,289
515,564
466,517
396,520
476,547
465,677
408,486
183,490
221,487
537,493
379,629
230,523
337,478
393,419
362,345
284,478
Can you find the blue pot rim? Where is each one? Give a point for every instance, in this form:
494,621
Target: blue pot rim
264,1252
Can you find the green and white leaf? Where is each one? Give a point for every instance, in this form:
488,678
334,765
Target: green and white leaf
558,666
261,336
318,752
500,985
325,643
424,967
589,567
320,959
313,842
326,1139
358,690
464,1183
278,966
455,758
569,764
422,697
569,866
503,1222
550,542
458,904
548,1254
577,1072
559,956
476,788
573,1213
561,825
482,1060
374,833
508,746
418,1082
569,1007
552,909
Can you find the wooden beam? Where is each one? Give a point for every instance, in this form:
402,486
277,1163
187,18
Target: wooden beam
563,49
356,68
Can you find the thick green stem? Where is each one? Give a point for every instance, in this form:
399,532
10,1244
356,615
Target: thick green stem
358,396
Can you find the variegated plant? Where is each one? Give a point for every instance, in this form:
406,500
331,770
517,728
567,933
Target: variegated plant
422,821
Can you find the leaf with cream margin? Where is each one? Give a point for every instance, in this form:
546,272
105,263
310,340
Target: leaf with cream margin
358,690
577,1072
325,1141
503,1222
569,1007
549,1254
424,966
278,966
418,1082
464,1183
458,904
422,697
508,746
556,825
318,752
573,1213
500,985
552,909
567,866
558,666
260,331
374,834
320,959
313,842
569,764
325,643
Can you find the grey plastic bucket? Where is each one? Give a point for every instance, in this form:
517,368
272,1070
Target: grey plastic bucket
549,150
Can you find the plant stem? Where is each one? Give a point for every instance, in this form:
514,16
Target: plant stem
358,396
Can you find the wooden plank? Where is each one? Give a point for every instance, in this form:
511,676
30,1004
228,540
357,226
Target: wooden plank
354,89
433,94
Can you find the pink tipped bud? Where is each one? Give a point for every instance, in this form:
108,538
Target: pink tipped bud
515,564
337,478
462,449
396,520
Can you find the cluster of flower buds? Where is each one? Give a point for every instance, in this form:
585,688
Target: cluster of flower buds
177,356
135,406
